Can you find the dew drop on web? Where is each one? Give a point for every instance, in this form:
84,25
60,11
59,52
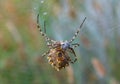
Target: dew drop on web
45,13
42,1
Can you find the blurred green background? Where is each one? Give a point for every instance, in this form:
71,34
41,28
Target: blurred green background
21,44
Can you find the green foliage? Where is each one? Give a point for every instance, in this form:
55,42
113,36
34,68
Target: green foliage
21,44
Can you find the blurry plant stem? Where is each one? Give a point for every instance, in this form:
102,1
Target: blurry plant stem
99,68
17,37
70,74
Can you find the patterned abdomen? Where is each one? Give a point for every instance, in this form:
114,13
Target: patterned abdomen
58,59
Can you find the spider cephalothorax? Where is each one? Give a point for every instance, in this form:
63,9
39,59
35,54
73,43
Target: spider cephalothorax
58,53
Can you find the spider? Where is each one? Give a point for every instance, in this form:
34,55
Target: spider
58,53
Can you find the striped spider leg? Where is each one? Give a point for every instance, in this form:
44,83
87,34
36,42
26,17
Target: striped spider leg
74,45
48,40
71,49
78,31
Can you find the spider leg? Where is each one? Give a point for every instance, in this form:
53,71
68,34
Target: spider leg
49,45
71,61
72,50
44,54
43,34
75,45
78,31
44,26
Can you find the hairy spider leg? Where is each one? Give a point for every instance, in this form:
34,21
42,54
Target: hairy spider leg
78,31
72,51
48,40
46,53
48,43
75,45
45,27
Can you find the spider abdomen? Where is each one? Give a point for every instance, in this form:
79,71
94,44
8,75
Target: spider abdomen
58,59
